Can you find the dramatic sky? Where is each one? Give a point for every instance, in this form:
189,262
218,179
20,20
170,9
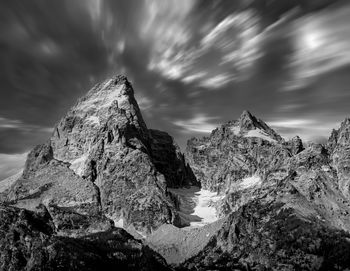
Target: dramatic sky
194,64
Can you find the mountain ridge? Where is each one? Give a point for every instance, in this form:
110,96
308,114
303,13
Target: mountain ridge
279,204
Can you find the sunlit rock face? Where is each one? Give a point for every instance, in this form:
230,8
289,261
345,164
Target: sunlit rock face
285,219
238,149
103,161
339,148
268,235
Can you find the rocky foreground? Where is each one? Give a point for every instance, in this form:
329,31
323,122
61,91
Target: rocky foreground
279,205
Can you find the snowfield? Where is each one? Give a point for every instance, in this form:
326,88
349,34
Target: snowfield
235,129
77,165
261,134
197,206
250,182
204,207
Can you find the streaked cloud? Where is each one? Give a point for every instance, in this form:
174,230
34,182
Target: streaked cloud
232,45
164,25
307,129
200,123
216,81
194,77
322,45
6,123
145,103
174,53
11,164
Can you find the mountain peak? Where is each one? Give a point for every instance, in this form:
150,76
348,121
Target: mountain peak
246,114
247,121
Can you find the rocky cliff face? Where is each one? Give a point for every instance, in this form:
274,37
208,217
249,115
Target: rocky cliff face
169,160
103,161
28,241
339,149
269,235
286,218
282,206
238,149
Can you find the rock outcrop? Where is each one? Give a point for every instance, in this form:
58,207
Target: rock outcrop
28,241
103,161
238,149
169,160
296,217
339,149
269,235
282,205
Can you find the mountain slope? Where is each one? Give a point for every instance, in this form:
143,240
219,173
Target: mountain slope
28,241
103,161
236,150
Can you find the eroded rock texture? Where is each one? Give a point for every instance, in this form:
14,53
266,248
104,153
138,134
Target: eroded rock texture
268,235
28,241
339,148
283,205
290,212
238,149
103,161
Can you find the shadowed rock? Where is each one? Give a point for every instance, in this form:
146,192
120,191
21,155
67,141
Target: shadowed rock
28,242
103,161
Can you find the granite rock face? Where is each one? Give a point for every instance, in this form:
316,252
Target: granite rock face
238,149
169,160
282,205
28,241
103,161
339,148
269,235
295,216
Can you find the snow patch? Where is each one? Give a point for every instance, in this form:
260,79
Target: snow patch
260,134
250,182
204,208
326,168
235,130
77,165
197,206
119,223
201,147
93,120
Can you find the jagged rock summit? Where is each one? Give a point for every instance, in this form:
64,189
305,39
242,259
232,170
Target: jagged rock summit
286,207
103,162
251,126
279,205
29,241
246,147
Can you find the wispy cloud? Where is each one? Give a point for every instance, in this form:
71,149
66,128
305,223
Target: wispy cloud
217,81
164,26
11,164
322,44
6,123
307,129
232,45
194,77
200,123
238,38
145,103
